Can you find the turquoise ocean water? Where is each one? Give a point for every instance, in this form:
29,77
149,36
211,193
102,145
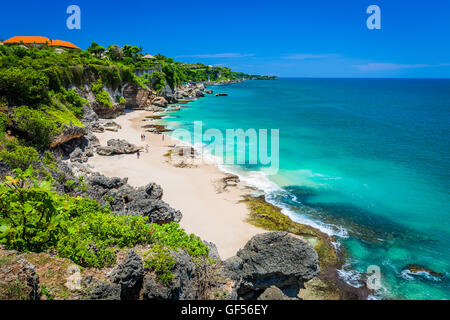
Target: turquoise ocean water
367,160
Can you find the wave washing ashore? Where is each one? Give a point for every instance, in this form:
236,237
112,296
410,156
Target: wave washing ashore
363,160
215,205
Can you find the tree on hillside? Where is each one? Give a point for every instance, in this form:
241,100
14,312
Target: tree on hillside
115,52
95,49
131,51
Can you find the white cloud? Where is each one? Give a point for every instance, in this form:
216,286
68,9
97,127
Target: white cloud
385,66
308,56
218,55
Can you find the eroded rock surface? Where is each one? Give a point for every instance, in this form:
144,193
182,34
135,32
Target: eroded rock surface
273,259
117,146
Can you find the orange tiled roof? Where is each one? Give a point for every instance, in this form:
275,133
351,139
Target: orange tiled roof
28,40
42,40
61,43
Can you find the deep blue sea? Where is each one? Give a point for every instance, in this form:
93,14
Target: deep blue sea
367,160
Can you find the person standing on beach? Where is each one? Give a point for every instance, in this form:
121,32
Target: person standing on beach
146,148
138,153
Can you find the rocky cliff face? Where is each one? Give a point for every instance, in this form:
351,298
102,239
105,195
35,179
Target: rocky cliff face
137,98
274,259
270,266
127,200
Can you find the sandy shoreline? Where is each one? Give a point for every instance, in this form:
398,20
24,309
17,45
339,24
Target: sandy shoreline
208,210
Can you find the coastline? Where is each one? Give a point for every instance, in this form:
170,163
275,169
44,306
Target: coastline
209,211
216,212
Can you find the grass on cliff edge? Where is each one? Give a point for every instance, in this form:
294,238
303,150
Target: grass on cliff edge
267,216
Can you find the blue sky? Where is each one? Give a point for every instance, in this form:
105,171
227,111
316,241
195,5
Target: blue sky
303,38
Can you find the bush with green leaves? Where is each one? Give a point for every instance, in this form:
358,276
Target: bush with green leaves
101,96
33,217
31,211
16,155
4,121
158,81
160,260
36,125
24,85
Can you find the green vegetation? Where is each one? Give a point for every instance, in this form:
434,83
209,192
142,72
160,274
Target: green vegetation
158,81
16,155
50,83
160,260
101,96
34,218
35,125
43,91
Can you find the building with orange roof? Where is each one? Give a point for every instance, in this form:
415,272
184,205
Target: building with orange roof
28,40
65,44
41,41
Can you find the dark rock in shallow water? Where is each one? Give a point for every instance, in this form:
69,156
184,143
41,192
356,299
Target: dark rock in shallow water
273,259
129,275
415,269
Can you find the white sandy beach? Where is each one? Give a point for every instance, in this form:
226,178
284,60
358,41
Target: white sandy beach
208,211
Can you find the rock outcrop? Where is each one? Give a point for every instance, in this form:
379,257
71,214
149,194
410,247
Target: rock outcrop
112,126
159,102
129,275
18,278
273,259
273,293
69,133
107,112
136,97
127,200
181,288
101,290
117,146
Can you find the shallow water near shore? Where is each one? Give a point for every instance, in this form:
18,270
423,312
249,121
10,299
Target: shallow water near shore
364,159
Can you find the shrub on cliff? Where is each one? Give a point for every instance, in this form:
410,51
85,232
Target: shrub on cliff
4,120
35,124
158,81
18,156
24,85
100,95
34,218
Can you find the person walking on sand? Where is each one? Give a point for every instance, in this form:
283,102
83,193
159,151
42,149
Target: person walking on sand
146,148
138,153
